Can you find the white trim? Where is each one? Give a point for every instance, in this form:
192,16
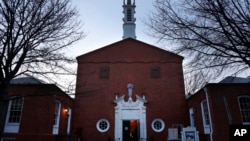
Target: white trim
205,125
56,126
243,96
69,120
190,133
162,125
98,125
191,116
209,114
12,127
130,110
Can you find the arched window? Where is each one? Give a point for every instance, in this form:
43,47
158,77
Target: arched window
244,103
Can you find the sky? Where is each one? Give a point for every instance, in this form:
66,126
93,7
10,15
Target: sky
103,24
102,21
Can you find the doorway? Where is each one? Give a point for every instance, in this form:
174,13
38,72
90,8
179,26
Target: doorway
131,130
127,112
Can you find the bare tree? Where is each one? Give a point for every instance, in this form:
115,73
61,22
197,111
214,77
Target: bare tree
214,35
33,34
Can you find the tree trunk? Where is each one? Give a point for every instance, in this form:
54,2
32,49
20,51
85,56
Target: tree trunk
3,106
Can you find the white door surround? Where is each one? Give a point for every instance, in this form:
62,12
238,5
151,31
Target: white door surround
130,110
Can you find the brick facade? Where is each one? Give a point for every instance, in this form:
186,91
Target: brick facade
224,106
127,61
102,79
38,111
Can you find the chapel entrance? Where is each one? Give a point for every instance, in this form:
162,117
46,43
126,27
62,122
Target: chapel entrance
130,117
131,130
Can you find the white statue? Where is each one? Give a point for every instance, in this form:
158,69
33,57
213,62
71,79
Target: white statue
130,89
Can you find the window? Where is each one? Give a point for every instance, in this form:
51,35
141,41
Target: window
129,15
14,115
102,125
158,125
69,111
15,110
104,72
57,113
205,117
155,72
191,117
205,112
8,139
244,103
57,117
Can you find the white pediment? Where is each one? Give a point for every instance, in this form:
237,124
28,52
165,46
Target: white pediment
130,104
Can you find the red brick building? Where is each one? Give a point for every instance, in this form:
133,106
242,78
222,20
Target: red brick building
126,91
36,111
103,109
218,105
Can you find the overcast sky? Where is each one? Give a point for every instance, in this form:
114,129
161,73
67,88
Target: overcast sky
103,23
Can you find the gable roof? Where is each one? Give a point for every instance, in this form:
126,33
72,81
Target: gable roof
125,49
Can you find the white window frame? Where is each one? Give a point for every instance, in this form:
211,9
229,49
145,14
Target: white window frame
13,127
161,122
246,109
57,113
205,118
69,112
191,117
98,125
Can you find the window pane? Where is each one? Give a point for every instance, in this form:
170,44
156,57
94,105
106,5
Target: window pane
104,72
244,103
205,112
155,72
129,15
15,110
57,112
158,125
102,125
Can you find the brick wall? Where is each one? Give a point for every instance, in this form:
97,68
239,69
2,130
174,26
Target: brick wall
220,95
129,61
37,116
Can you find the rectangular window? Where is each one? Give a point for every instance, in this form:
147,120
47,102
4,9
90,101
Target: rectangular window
205,117
129,15
57,117
191,117
57,113
155,72
13,115
15,110
244,103
104,72
205,112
